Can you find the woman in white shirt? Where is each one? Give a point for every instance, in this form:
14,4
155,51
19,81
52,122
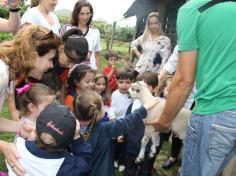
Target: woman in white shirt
43,15
82,17
31,50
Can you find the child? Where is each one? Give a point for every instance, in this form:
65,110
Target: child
56,129
134,137
101,87
81,78
34,100
88,109
110,69
120,101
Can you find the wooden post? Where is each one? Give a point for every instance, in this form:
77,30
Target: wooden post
112,35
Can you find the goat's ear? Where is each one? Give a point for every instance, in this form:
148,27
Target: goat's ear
139,83
142,83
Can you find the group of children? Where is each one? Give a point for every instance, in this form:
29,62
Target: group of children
96,127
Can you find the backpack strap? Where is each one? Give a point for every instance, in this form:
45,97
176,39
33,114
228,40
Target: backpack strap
212,3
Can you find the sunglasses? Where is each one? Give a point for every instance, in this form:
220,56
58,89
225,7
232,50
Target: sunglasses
49,35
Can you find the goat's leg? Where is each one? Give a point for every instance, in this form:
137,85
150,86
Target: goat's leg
141,154
155,142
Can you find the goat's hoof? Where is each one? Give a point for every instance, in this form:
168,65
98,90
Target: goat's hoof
138,160
151,156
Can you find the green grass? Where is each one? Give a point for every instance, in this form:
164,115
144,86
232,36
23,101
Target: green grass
123,53
117,46
5,137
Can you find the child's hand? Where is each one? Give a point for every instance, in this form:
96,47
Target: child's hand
27,130
120,139
77,130
151,104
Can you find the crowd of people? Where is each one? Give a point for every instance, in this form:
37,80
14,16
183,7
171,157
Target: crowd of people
72,115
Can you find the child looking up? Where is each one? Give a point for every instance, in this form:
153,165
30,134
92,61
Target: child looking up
101,87
81,78
89,109
56,129
110,69
120,101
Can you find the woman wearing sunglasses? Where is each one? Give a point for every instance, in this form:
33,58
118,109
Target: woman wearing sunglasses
32,47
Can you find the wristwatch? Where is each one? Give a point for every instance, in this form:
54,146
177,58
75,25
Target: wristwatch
14,10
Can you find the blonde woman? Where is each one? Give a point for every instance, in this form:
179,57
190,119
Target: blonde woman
42,15
156,47
31,50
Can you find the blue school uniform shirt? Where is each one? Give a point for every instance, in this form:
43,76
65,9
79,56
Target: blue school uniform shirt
102,144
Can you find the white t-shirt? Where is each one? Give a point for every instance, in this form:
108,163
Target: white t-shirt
34,16
34,165
170,67
93,38
4,79
120,103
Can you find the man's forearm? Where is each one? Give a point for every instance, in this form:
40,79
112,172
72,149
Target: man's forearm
181,85
177,96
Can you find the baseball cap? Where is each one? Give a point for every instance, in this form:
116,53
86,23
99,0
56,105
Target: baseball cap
59,122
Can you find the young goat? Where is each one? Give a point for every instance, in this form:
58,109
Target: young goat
139,90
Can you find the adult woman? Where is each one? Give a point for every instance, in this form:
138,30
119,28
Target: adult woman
156,47
42,15
72,50
31,47
12,24
81,17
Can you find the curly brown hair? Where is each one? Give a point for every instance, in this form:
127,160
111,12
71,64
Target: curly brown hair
19,53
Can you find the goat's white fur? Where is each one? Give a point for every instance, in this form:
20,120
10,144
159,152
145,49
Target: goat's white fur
139,90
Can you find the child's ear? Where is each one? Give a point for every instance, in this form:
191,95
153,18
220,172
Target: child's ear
31,107
61,48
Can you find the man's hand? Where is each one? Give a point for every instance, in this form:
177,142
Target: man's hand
12,156
160,124
120,139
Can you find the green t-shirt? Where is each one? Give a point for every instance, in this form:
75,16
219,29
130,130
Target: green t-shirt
213,34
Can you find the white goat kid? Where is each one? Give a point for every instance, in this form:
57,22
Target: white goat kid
139,90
